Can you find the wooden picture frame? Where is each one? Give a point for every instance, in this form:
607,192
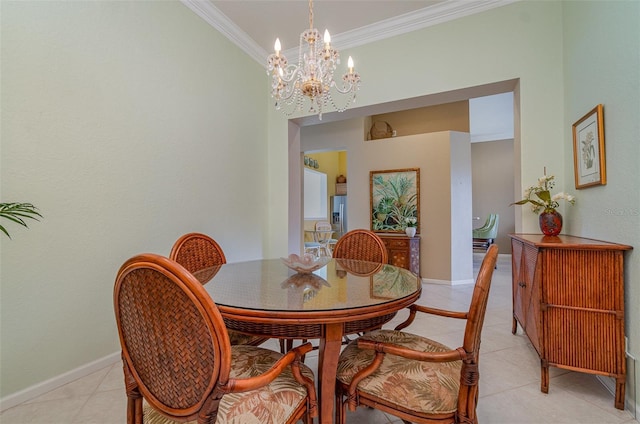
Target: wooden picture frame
394,196
588,149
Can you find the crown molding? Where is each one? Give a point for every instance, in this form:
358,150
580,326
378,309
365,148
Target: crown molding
214,17
412,21
402,24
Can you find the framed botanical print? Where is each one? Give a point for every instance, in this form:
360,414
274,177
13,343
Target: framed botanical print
395,198
588,149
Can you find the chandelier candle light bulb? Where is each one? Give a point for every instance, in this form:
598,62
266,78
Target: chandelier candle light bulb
327,41
277,47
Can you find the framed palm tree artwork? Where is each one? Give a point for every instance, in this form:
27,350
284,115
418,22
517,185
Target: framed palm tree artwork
395,199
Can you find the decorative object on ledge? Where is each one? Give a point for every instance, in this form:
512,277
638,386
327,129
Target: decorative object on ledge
380,129
312,78
588,149
550,220
311,163
395,196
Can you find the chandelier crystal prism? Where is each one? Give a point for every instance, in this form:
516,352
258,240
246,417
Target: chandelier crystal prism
312,78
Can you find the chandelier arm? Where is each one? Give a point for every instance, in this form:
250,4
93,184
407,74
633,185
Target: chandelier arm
290,73
349,89
286,94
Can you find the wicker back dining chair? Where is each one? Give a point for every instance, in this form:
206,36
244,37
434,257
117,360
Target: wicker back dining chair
178,362
414,378
362,245
197,252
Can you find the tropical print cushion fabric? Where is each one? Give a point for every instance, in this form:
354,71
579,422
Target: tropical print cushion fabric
237,338
428,387
274,403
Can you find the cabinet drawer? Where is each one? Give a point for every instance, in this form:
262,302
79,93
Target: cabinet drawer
397,243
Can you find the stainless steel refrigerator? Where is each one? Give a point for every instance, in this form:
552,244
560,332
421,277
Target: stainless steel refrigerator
339,215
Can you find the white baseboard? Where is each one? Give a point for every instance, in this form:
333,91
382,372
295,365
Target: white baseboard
447,282
39,389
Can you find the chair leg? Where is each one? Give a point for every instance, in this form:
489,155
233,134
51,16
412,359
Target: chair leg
286,345
340,406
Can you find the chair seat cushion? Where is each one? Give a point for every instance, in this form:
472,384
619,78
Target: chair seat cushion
425,387
273,403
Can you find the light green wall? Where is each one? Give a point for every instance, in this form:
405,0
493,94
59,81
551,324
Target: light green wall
602,65
126,124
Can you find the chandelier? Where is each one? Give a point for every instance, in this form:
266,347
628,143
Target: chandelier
312,78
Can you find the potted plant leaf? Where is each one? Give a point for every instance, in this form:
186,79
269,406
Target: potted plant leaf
18,213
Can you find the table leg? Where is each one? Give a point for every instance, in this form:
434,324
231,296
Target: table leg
327,369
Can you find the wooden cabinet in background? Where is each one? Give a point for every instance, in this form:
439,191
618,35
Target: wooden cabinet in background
403,251
568,297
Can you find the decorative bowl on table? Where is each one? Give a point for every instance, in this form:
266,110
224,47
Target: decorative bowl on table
305,264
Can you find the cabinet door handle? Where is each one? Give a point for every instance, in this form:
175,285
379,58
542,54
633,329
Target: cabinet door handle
521,284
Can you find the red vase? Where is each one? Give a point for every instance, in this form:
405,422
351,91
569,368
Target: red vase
550,222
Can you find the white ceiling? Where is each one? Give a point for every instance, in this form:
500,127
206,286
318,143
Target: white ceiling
263,21
254,25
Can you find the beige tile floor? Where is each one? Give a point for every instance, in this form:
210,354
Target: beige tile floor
509,382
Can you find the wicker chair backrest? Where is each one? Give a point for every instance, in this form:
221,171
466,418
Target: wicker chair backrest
362,245
479,301
196,251
173,338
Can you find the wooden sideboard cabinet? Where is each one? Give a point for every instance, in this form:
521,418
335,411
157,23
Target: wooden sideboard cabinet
568,297
403,251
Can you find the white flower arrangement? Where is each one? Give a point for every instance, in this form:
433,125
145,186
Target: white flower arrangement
544,199
411,221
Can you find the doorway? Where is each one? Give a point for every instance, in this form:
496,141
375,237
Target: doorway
348,131
332,165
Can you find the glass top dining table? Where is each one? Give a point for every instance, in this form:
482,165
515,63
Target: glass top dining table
266,298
